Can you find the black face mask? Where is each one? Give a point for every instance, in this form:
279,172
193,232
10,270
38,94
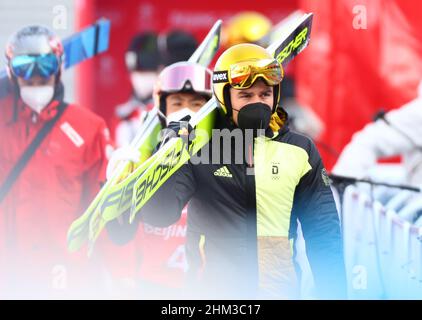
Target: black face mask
254,116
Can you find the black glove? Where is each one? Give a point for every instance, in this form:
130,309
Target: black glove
180,128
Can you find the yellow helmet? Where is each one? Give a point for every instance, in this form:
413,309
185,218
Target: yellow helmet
239,67
248,26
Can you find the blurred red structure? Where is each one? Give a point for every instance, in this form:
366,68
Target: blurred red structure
347,74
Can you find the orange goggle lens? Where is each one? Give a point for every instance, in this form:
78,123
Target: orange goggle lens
242,75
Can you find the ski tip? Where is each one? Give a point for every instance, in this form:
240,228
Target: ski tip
75,237
209,46
72,248
292,39
73,245
103,37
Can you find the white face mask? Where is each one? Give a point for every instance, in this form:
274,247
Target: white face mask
143,83
176,116
37,97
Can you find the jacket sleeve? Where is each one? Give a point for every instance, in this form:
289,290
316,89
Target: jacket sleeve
397,135
166,205
315,208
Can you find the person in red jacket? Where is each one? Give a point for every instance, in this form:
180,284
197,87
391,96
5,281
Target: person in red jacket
59,180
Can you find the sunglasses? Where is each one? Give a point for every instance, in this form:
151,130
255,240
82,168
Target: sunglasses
186,78
28,66
242,75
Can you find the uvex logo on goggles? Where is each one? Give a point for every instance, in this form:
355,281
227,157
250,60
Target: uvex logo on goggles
220,77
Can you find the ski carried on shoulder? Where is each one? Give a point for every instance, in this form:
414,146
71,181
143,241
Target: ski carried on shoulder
114,198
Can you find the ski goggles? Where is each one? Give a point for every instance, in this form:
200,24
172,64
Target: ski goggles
28,66
242,75
185,78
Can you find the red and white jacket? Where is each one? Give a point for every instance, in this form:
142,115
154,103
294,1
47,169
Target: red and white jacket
60,180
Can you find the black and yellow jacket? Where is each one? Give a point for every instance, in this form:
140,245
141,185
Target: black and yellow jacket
246,212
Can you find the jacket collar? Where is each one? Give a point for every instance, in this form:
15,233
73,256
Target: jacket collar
25,113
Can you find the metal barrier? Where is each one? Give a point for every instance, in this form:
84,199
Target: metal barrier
383,253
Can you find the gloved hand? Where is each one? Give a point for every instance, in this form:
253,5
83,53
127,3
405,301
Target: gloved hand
180,128
126,153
